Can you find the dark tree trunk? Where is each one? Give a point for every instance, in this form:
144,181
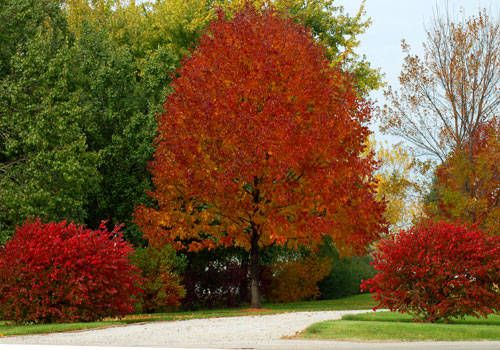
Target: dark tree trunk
254,270
254,250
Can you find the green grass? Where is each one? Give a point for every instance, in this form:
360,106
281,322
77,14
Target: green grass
355,302
358,302
397,317
7,329
394,326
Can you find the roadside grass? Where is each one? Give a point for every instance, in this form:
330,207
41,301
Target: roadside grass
9,329
357,302
392,326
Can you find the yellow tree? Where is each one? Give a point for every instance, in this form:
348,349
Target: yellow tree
400,183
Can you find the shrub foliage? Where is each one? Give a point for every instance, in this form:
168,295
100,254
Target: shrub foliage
60,272
437,271
346,273
161,282
298,280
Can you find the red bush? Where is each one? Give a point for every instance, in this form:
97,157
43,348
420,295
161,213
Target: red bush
437,271
65,272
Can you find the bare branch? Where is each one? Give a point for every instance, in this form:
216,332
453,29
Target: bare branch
446,96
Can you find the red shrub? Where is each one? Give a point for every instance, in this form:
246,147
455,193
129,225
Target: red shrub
64,272
437,271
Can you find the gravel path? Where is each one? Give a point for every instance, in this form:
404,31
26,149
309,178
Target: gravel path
248,332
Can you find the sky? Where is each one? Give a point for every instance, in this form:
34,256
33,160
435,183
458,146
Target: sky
393,20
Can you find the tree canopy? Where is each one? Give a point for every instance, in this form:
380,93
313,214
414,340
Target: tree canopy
260,144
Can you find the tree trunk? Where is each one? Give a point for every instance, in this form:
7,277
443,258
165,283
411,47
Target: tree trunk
254,270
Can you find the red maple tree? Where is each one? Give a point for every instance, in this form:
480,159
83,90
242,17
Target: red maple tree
261,143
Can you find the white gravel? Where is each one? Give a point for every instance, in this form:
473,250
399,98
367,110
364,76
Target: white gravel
247,332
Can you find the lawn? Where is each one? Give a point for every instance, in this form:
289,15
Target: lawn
394,326
357,302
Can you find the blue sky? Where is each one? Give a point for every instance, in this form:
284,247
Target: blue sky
393,20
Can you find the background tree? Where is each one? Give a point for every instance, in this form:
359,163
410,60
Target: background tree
76,126
347,272
77,130
467,189
177,24
400,184
20,20
447,95
260,144
46,168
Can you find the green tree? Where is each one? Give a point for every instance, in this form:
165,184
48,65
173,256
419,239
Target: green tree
46,167
116,120
77,122
20,20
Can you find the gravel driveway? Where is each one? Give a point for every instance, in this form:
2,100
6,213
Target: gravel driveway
247,332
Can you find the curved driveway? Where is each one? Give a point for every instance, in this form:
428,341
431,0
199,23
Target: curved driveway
246,332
